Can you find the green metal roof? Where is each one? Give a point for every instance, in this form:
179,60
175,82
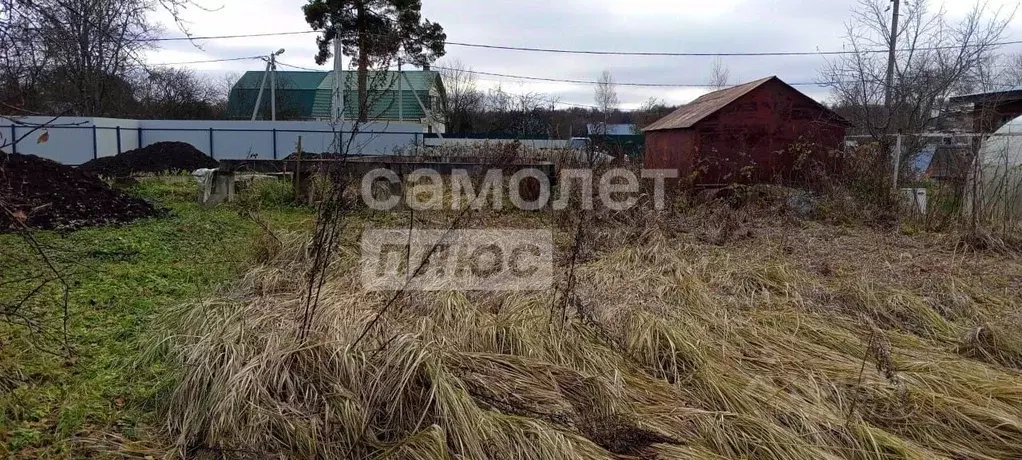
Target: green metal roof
309,94
293,80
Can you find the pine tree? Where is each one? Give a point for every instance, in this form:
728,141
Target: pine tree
374,32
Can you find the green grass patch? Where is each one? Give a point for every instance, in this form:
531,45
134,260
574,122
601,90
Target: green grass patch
119,277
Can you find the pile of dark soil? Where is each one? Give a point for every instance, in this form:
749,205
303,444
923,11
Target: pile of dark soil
46,195
155,158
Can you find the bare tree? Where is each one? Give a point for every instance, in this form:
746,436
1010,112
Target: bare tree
719,75
21,60
936,58
517,114
650,111
177,94
1007,72
463,96
76,54
80,53
606,95
227,82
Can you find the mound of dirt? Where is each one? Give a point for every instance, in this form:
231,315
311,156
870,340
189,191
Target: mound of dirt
46,195
155,158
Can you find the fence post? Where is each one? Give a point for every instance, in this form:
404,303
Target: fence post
274,143
140,137
978,187
211,143
897,161
118,139
14,139
95,143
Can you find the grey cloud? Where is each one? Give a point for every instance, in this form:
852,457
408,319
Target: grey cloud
661,25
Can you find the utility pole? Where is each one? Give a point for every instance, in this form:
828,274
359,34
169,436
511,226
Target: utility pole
896,154
259,99
273,83
339,86
891,56
271,71
400,93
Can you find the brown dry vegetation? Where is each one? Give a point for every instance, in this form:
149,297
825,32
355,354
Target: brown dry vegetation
710,333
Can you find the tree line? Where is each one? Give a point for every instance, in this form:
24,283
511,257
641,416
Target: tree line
85,58
497,111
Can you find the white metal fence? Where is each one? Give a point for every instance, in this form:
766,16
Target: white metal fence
76,140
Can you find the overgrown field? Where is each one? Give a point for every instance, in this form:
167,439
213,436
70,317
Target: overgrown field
698,332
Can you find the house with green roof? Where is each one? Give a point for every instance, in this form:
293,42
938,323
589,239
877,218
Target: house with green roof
410,96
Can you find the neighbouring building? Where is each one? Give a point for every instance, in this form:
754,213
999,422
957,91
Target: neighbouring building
409,96
984,113
611,129
761,131
617,140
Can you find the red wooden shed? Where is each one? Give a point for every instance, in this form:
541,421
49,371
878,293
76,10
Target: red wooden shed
761,131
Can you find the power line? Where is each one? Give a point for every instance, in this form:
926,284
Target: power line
225,37
551,100
654,53
721,54
604,52
562,80
590,82
279,62
209,61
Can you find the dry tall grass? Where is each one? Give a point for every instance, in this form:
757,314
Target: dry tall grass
797,341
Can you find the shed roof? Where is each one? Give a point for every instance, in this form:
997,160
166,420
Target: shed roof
689,114
708,104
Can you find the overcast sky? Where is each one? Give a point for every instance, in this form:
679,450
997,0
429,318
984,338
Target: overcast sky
620,25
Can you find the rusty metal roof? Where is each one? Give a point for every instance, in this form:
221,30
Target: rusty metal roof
688,115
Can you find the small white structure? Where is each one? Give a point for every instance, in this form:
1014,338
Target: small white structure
1000,174
914,200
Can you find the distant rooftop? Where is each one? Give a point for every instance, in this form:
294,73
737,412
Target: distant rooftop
623,129
309,95
1012,94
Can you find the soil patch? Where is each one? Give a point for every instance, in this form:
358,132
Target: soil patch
46,195
155,158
